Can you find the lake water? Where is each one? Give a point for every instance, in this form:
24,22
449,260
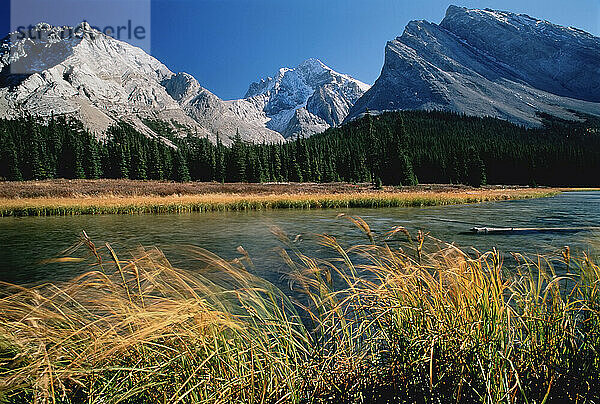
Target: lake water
26,242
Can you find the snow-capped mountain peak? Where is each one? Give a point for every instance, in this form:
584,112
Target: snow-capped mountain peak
83,73
324,95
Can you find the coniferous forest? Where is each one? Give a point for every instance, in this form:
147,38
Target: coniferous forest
396,148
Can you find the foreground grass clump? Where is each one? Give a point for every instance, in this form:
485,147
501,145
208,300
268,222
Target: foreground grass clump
399,319
107,204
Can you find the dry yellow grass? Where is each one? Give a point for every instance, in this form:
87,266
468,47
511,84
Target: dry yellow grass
579,189
403,318
110,204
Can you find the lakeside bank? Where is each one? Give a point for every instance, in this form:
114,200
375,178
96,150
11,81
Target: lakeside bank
65,198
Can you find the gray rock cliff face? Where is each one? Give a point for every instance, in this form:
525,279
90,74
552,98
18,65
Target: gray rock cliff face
219,117
489,63
87,75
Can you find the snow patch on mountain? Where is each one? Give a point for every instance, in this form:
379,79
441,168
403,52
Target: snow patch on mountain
304,100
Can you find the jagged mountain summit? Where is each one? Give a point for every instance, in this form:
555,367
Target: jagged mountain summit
212,113
80,72
83,73
304,100
489,63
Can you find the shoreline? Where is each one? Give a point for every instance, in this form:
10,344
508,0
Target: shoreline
319,197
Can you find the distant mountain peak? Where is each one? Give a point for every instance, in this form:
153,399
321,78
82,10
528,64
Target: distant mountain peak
454,9
314,63
324,95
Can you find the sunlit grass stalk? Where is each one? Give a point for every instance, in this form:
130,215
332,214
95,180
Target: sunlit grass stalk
404,318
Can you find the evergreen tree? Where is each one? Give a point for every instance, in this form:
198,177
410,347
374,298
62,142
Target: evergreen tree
237,162
295,171
37,157
91,157
180,169
476,175
70,162
155,170
219,161
9,164
138,161
276,176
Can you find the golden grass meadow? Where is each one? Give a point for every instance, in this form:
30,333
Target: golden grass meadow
103,197
401,318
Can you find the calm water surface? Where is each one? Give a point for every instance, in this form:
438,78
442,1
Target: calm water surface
26,242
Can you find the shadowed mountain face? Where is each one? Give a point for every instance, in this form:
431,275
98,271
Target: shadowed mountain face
489,63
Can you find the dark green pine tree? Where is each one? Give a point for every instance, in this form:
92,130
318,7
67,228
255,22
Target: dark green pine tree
276,155
295,174
121,161
237,161
406,169
476,169
166,161
373,152
328,172
91,157
303,159
70,162
401,168
155,169
180,168
211,161
219,161
54,142
138,160
253,166
37,156
9,164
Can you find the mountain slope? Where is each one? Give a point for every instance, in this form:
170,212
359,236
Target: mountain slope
489,63
212,113
89,75
99,80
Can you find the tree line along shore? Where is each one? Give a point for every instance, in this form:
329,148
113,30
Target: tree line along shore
395,148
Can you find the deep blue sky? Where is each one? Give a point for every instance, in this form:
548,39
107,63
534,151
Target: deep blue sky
227,44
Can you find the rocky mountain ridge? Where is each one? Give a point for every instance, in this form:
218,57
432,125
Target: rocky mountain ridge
99,80
489,63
